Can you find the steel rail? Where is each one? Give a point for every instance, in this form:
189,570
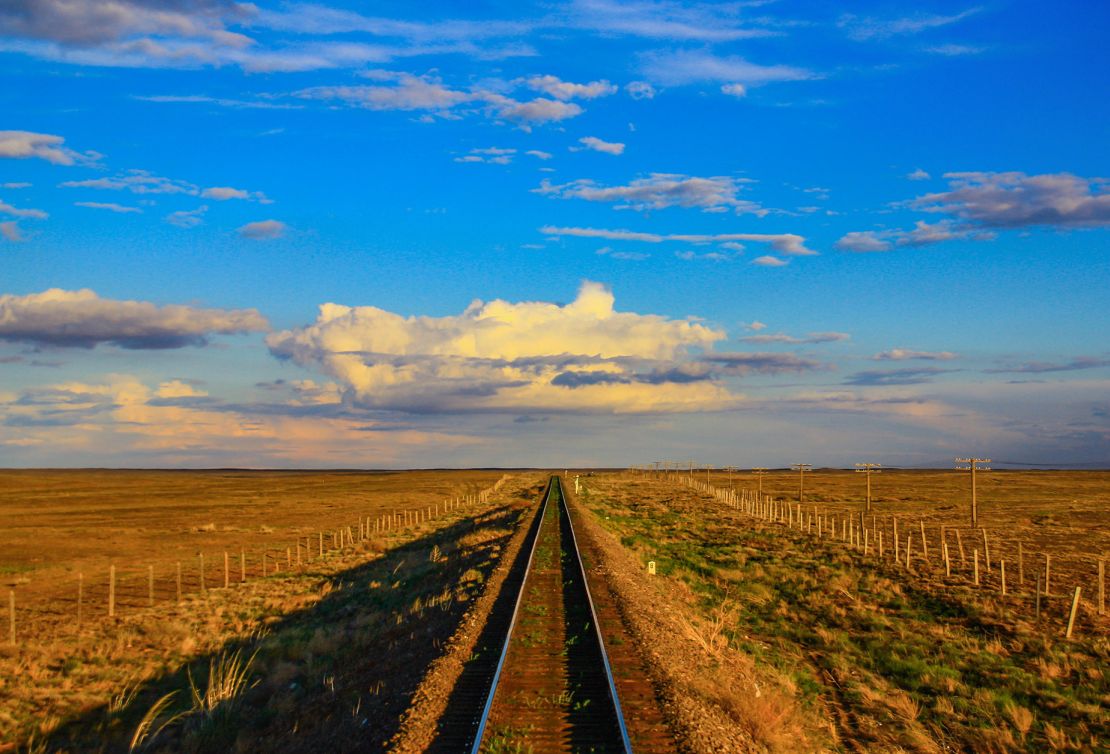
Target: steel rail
597,629
484,719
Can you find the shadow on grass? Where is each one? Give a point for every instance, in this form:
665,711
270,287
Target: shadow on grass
335,675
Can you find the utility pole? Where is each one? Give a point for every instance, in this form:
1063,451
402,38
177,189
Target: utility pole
759,472
801,468
869,469
708,467
973,466
730,469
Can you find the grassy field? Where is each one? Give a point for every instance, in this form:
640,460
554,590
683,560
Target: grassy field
55,525
328,653
893,660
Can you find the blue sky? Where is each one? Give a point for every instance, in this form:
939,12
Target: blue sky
567,233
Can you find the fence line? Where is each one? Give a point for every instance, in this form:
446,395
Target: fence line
141,587
852,530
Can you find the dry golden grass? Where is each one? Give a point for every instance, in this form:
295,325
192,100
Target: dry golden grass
314,628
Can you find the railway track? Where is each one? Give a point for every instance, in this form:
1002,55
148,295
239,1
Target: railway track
540,680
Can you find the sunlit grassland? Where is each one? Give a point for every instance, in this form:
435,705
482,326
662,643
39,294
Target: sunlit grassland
894,661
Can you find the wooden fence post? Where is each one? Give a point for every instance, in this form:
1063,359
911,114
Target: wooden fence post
909,545
975,552
924,542
880,544
1047,573
1102,586
242,566
947,562
112,591
1021,566
1072,614
1002,570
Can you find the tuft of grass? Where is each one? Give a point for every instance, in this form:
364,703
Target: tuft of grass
229,675
153,723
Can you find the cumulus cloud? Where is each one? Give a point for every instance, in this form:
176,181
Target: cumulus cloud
784,243
224,193
119,209
597,145
692,67
813,337
263,230
10,231
137,182
8,209
640,90
770,261
566,90
905,354
502,356
21,145
918,175
187,218
83,319
494,155
539,154
404,91
863,241
734,90
659,191
1014,200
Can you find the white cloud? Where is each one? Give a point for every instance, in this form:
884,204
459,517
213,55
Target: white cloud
15,185
110,206
7,209
539,110
956,50
863,241
735,90
539,154
867,28
187,218
918,175
21,145
755,325
662,19
904,354
566,90
83,319
224,193
784,243
179,389
597,145
770,261
263,230
659,191
640,90
813,337
10,231
502,356
1014,200
692,67
137,182
495,155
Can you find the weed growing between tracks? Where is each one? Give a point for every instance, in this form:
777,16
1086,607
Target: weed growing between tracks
897,664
